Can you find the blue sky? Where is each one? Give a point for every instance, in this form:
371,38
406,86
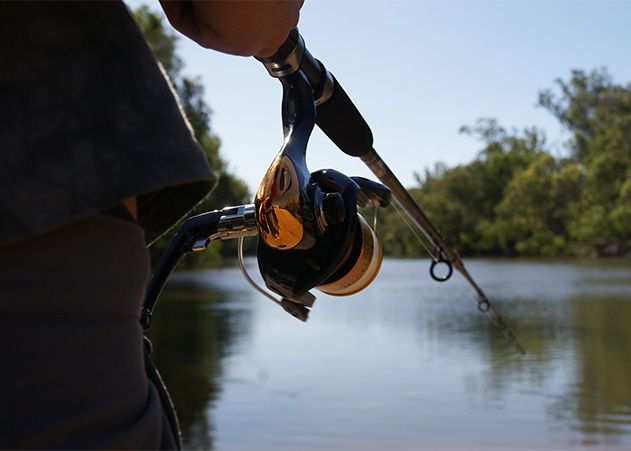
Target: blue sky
417,70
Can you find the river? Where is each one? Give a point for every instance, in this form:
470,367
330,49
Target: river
407,364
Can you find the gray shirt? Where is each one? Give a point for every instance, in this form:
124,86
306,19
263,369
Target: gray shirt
86,119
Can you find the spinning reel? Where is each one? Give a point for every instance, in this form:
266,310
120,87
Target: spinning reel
310,233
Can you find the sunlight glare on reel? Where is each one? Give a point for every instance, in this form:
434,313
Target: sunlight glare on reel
277,206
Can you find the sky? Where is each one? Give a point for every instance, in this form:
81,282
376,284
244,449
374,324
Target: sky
417,71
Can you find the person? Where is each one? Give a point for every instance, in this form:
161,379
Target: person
97,161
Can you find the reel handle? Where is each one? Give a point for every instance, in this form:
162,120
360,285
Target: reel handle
195,235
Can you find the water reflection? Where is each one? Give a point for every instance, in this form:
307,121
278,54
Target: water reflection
191,334
600,395
409,363
586,336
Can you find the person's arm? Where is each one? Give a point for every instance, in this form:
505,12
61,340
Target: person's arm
243,28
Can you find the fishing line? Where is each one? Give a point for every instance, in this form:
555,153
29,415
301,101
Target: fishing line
399,209
374,219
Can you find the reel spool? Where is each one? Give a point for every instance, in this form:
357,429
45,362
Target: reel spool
363,269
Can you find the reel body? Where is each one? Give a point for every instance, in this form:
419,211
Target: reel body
346,255
310,234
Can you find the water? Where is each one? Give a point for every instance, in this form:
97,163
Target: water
409,363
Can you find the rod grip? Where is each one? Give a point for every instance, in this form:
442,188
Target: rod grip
342,122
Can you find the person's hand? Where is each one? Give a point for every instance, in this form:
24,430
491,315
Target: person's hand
237,27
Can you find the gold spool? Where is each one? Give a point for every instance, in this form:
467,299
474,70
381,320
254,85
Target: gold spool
365,268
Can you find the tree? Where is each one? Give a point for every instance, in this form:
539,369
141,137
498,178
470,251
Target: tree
597,112
538,204
515,198
462,201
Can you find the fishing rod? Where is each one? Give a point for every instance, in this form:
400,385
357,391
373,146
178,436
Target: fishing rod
310,232
341,121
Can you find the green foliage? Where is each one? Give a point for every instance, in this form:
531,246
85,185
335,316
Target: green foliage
230,190
597,112
517,199
538,204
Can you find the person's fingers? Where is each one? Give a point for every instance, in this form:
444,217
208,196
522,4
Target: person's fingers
182,16
237,27
291,14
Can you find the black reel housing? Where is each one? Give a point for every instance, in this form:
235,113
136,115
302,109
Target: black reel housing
292,273
321,207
